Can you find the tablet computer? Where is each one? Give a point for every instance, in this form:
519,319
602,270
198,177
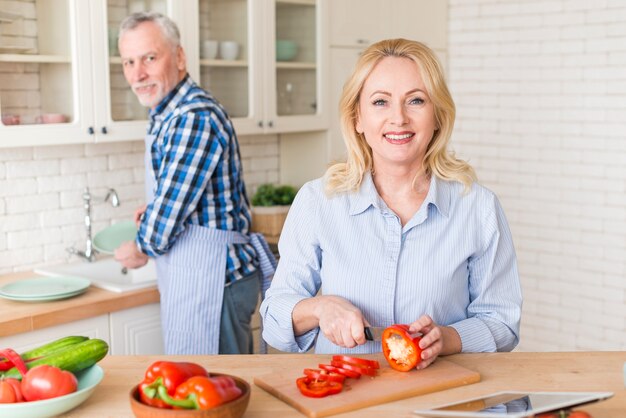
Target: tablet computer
513,404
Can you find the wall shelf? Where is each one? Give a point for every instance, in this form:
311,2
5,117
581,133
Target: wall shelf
32,58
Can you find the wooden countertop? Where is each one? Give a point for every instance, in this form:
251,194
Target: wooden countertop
569,371
18,317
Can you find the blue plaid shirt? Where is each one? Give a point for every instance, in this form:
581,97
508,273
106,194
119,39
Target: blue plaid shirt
198,172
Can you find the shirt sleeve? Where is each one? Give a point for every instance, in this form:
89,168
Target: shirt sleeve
190,153
297,277
495,305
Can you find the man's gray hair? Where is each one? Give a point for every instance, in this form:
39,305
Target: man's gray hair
167,25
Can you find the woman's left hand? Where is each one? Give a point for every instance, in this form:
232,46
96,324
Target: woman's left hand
436,340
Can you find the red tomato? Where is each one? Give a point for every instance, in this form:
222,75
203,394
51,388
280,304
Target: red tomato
10,391
45,382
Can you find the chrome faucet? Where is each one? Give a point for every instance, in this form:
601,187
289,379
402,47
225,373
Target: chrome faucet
90,253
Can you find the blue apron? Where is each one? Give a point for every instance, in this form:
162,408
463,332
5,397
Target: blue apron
191,278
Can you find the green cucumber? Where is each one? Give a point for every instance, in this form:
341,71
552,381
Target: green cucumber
73,358
52,347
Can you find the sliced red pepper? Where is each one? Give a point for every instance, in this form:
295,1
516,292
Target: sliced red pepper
316,388
358,360
15,359
401,349
354,367
322,374
345,372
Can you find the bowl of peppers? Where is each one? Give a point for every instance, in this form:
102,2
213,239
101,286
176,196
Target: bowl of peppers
187,390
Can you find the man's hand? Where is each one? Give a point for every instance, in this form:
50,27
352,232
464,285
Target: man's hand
139,214
129,256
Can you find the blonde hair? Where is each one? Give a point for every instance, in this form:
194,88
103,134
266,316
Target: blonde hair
439,161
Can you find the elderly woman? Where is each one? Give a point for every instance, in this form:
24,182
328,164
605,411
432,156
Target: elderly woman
400,232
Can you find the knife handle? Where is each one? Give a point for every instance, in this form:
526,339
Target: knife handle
368,334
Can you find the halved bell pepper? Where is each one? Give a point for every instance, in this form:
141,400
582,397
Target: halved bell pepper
201,392
168,375
401,348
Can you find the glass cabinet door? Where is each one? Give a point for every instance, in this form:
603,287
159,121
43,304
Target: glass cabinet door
37,71
296,58
225,56
124,105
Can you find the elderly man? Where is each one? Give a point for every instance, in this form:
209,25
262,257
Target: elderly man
196,220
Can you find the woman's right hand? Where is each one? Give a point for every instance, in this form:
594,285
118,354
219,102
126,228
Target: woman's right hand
340,321
139,214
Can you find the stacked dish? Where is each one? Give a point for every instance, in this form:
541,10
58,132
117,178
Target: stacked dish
109,239
42,289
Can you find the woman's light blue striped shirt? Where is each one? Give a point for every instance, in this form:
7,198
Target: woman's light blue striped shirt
454,260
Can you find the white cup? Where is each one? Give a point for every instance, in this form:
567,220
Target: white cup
229,50
209,49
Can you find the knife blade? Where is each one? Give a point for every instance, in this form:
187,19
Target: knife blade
373,333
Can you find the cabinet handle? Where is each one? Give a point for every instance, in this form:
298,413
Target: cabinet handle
362,41
260,124
270,124
104,130
90,130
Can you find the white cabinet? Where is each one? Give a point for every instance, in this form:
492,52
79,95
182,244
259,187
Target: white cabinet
355,24
358,23
60,81
135,331
263,92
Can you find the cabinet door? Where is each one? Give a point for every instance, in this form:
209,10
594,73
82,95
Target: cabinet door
118,113
224,56
297,52
232,48
45,72
96,327
358,23
137,331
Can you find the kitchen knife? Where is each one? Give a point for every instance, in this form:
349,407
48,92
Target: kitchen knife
374,333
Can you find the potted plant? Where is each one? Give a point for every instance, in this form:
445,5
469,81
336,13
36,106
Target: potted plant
270,205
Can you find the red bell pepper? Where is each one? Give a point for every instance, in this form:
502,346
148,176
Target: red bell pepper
13,359
167,375
317,388
401,349
201,392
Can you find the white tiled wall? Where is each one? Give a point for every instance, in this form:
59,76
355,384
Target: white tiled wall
41,208
540,88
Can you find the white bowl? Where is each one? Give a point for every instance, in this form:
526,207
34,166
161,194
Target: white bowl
88,379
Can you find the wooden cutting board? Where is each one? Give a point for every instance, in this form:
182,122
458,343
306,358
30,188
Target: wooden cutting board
389,385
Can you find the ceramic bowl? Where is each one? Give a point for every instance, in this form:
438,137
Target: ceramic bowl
51,118
286,50
88,379
233,409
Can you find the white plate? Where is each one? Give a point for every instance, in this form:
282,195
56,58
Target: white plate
88,379
44,288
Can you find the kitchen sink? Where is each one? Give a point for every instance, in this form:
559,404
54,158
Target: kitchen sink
106,273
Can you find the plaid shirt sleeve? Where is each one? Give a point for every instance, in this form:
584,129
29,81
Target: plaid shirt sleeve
189,154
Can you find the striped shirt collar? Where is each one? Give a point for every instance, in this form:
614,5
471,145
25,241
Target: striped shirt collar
367,195
171,101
